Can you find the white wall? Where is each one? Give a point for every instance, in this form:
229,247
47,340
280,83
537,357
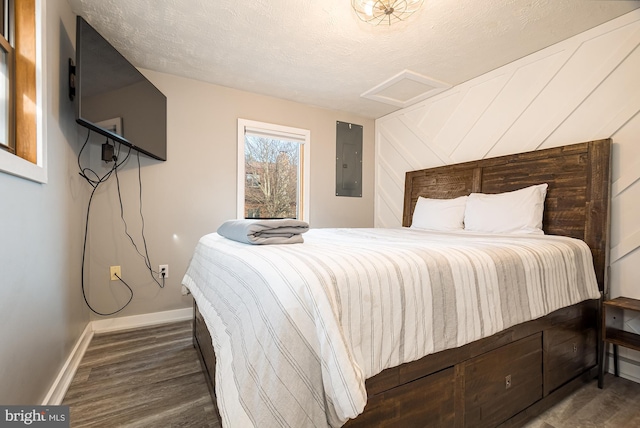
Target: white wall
582,89
41,310
194,191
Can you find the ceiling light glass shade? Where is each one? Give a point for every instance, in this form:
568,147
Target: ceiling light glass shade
385,11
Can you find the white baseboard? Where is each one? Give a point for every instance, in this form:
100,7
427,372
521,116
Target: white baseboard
629,368
60,386
145,320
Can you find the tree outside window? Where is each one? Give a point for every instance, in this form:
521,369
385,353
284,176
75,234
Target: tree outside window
272,168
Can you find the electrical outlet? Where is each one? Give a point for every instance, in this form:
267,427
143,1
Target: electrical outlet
115,270
163,269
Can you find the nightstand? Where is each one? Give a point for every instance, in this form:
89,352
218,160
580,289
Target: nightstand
612,332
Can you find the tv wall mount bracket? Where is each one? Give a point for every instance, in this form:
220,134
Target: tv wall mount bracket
72,79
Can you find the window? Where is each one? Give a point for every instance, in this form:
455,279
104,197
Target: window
7,141
22,147
273,171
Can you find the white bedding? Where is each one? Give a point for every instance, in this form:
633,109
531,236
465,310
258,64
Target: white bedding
298,328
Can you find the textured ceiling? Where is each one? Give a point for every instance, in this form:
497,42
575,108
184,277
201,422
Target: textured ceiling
320,53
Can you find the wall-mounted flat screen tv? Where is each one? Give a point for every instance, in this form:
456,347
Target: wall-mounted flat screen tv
113,98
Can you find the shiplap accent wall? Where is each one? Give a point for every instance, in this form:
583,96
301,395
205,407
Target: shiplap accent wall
584,88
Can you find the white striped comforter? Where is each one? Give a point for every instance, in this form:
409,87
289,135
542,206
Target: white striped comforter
298,328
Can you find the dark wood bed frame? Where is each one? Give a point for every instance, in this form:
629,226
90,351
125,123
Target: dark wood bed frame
505,379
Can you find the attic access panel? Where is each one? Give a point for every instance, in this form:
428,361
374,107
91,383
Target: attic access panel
348,159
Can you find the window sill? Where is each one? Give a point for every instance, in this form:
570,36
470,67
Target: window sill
15,165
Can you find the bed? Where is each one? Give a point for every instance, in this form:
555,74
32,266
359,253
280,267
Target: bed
519,369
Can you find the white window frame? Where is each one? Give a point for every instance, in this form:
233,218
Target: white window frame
277,131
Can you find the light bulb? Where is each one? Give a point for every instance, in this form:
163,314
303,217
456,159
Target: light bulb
368,8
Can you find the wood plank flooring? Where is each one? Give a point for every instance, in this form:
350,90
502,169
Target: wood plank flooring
151,377
614,406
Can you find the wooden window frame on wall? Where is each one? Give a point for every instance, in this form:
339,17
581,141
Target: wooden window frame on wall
21,65
25,80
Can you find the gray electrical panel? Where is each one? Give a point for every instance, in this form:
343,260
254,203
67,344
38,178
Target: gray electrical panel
348,159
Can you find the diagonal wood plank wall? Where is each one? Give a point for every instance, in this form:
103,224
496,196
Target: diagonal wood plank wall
585,88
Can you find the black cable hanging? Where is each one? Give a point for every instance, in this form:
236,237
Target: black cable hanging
144,256
95,182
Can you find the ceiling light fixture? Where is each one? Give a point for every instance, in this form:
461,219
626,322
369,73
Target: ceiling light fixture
377,12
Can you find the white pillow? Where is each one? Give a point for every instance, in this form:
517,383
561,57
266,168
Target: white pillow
443,215
519,211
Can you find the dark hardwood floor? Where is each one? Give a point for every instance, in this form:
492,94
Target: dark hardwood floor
617,405
151,377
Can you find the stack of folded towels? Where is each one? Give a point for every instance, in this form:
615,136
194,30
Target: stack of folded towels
262,232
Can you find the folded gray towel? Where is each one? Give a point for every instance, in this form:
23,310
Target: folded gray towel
262,232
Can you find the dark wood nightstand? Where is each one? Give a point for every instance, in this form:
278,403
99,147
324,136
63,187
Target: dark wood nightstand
612,332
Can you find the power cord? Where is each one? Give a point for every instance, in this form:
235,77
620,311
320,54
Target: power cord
145,257
95,182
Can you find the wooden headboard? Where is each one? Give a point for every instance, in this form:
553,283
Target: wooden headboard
577,203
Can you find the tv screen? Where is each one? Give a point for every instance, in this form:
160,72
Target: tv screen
114,98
